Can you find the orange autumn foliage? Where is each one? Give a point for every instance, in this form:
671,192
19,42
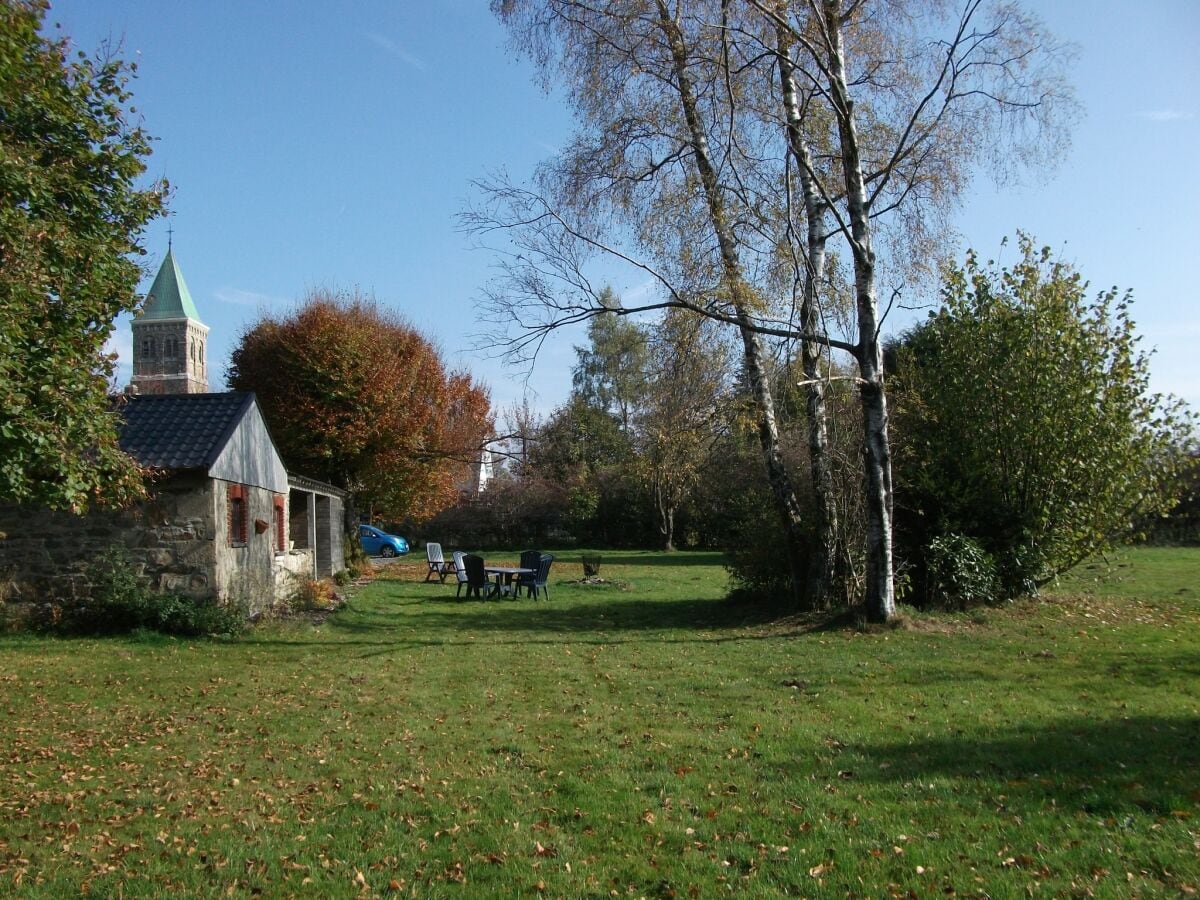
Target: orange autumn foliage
356,397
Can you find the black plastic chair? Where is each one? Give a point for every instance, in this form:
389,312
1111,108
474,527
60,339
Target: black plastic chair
477,580
530,559
541,580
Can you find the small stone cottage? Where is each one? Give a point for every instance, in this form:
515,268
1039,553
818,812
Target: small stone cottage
224,518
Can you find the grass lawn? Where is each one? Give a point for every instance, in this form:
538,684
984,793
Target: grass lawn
643,739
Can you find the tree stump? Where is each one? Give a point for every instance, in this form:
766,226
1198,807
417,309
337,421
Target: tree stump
591,566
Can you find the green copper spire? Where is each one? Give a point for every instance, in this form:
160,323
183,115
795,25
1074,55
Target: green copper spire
169,297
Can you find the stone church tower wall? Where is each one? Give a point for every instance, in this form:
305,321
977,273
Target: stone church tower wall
169,357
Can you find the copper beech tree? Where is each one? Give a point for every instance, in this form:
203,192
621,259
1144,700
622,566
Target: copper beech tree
356,397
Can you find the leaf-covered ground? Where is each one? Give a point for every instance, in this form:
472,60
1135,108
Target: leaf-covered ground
643,738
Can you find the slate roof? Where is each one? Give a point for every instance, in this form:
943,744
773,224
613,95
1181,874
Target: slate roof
181,431
169,297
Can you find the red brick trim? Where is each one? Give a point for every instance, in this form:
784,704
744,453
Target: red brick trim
239,515
280,525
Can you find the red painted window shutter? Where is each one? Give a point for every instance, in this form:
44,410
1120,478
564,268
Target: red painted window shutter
238,515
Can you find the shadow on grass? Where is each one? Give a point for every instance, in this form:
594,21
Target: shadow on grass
649,559
1163,669
450,617
407,623
1155,671
1106,768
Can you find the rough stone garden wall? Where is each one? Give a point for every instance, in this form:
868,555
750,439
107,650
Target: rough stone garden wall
44,555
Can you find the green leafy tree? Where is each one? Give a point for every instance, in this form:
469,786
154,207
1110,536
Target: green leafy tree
577,441
1028,422
583,449
71,219
611,371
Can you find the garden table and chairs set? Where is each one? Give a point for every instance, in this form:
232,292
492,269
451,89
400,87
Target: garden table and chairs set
491,581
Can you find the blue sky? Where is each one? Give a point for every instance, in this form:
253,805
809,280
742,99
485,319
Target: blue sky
316,144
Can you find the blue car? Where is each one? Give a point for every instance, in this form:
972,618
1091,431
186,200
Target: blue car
380,543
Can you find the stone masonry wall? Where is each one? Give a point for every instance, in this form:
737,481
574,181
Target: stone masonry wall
292,570
44,555
178,541
246,572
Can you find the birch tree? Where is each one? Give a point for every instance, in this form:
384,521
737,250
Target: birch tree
810,272
884,109
917,98
655,150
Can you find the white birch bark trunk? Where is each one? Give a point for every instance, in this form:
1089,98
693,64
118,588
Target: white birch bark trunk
821,562
877,457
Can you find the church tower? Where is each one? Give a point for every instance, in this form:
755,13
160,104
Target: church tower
170,343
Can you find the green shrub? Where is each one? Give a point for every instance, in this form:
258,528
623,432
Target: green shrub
757,559
1024,419
357,561
175,614
1017,568
118,603
959,573
753,540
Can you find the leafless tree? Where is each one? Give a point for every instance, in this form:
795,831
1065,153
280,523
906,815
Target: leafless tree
917,98
654,152
677,173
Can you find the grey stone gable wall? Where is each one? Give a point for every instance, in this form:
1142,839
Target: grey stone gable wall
247,571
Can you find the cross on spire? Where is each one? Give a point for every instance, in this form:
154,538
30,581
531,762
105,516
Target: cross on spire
170,233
